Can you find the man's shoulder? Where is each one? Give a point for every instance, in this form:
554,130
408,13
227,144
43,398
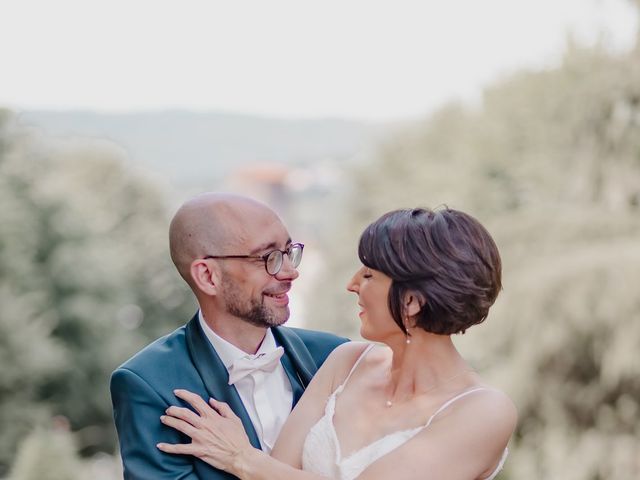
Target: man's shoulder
166,349
318,344
316,336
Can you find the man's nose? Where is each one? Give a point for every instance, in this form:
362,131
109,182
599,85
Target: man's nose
287,271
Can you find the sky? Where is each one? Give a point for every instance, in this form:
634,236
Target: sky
363,59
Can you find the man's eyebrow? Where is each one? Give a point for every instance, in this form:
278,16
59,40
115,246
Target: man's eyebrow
268,247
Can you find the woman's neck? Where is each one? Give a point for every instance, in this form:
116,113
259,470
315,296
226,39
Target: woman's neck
426,364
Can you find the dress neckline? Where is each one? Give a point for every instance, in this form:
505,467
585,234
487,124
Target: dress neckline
410,431
331,409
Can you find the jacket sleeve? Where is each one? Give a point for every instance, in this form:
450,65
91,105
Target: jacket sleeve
137,408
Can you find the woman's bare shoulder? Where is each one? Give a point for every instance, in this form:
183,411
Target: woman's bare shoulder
495,405
484,410
347,354
341,360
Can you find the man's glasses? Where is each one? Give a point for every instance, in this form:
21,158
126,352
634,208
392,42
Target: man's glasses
274,259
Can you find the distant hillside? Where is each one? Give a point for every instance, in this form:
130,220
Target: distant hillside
190,147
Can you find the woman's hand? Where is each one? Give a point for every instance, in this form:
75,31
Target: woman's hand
217,434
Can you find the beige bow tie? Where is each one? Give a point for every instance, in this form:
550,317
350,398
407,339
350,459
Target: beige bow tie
266,362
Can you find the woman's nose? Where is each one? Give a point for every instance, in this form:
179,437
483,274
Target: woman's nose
352,285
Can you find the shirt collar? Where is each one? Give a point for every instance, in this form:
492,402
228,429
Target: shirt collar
229,352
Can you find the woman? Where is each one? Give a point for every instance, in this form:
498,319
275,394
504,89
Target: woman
412,408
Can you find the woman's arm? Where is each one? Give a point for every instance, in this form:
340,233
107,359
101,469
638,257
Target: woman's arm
310,408
219,439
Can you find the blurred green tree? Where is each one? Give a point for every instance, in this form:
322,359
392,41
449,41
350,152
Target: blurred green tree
47,454
85,280
550,163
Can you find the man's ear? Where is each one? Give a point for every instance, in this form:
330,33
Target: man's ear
205,276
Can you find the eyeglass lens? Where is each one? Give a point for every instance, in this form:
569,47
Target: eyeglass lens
274,260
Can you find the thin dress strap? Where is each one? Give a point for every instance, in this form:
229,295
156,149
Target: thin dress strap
503,457
450,401
355,365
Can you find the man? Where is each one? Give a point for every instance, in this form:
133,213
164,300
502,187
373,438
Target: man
238,258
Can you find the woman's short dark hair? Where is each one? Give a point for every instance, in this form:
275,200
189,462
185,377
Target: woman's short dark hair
445,258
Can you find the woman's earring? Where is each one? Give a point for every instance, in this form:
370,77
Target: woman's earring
407,335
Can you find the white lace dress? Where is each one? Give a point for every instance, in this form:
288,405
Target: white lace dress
321,451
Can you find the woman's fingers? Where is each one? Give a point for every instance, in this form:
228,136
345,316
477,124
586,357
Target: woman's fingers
180,448
194,400
222,408
179,425
183,414
217,434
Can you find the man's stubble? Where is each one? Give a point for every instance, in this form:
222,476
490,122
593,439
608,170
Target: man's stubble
251,311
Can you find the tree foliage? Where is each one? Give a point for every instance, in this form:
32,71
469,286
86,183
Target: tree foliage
47,454
550,163
85,280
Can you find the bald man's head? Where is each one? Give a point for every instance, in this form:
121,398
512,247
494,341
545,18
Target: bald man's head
211,223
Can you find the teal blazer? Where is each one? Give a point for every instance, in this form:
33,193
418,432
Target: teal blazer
142,389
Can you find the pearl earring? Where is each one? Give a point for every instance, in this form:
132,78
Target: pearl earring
406,332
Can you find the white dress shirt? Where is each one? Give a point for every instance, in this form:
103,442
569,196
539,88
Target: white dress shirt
267,397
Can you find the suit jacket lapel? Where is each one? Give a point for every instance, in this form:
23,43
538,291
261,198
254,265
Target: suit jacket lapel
297,387
215,376
297,361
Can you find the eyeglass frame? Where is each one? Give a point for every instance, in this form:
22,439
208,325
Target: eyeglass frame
264,257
